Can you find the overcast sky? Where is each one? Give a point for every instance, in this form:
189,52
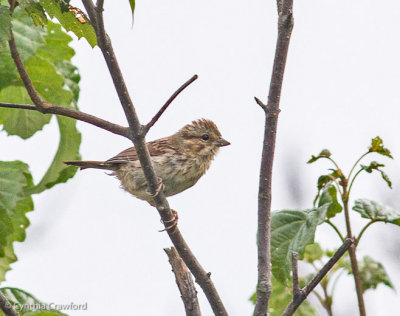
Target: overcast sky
89,241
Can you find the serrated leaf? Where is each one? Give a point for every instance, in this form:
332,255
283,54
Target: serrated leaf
36,12
281,297
376,211
313,252
325,153
292,230
377,147
372,273
20,122
15,179
376,166
28,37
329,197
68,149
70,22
5,23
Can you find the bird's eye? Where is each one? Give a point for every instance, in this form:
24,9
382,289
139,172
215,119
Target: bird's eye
205,137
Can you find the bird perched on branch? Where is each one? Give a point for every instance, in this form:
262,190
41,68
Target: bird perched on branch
179,160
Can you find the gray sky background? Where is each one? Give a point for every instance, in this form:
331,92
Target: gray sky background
89,241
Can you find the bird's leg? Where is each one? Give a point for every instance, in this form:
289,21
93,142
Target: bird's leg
160,187
173,221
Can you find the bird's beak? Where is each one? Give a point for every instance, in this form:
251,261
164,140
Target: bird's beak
222,142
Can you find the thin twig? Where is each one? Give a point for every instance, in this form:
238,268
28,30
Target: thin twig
185,283
201,276
48,108
295,303
166,105
7,307
285,26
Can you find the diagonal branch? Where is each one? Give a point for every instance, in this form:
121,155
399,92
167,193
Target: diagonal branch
285,26
166,105
6,306
185,283
301,294
202,277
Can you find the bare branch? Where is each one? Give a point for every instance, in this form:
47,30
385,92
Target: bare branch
303,293
285,26
260,103
185,283
6,306
165,106
48,108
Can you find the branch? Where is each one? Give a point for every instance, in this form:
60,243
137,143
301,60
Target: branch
296,288
48,108
6,306
185,283
285,26
166,105
304,292
202,277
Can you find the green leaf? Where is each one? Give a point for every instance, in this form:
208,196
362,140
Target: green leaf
325,153
281,297
313,252
36,12
72,20
292,230
329,197
26,303
5,23
372,273
132,4
376,211
28,38
377,147
376,166
15,179
23,123
68,149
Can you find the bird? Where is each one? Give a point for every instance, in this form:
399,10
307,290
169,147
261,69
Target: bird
179,160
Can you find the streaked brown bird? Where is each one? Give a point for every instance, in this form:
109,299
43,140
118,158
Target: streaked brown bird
179,160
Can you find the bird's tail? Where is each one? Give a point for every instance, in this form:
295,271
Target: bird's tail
90,164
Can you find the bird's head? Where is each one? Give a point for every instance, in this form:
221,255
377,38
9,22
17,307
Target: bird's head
201,138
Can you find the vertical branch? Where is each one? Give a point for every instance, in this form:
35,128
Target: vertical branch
185,283
285,26
352,252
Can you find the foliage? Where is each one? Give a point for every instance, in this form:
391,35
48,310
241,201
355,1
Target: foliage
294,230
44,49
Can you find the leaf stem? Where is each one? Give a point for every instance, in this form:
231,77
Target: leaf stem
363,230
335,228
334,162
351,183
356,163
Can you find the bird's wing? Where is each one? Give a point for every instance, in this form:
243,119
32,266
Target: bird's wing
130,154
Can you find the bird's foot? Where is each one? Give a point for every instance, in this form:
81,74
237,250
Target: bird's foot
172,223
160,187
